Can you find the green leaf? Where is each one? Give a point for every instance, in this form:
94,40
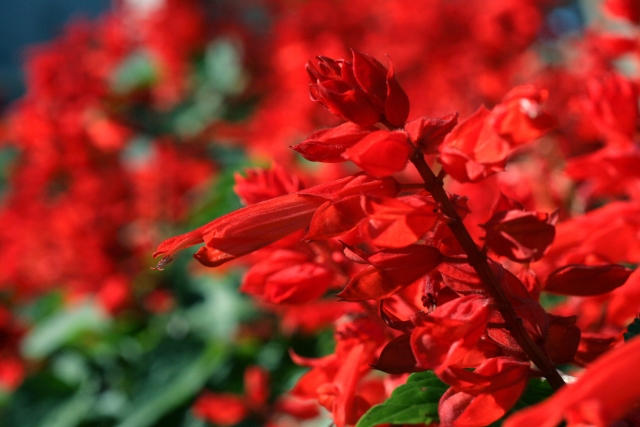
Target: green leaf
45,401
415,402
632,330
136,71
176,372
62,327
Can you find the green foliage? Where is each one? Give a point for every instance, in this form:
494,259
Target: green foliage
44,401
61,328
415,402
632,330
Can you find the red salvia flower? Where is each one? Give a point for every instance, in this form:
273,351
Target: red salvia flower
391,270
398,222
427,133
381,153
586,280
328,145
255,226
287,277
222,409
445,336
520,118
605,393
480,397
473,150
362,92
520,236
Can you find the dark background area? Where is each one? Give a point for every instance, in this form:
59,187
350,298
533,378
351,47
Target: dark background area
27,22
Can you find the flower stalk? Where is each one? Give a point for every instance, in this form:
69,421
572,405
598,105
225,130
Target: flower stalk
478,260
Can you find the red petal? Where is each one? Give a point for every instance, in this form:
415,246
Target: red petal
391,271
328,145
223,409
428,133
473,151
350,104
607,390
563,339
395,223
625,9
396,106
446,335
397,357
480,397
381,153
371,77
334,219
518,235
585,280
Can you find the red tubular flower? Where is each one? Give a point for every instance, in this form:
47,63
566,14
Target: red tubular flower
362,92
520,236
222,409
480,397
287,277
427,133
473,150
260,185
245,230
381,153
390,271
256,226
398,222
608,390
520,118
328,145
586,280
445,336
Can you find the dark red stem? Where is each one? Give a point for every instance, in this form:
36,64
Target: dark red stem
478,260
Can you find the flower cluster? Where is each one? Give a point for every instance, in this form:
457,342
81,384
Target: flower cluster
401,250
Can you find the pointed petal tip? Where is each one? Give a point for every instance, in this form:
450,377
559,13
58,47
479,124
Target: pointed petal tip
164,261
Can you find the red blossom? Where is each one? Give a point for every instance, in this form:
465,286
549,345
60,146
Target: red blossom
381,153
427,133
255,226
391,270
287,277
223,409
362,92
520,118
398,222
625,9
328,145
520,236
445,336
484,395
605,393
473,150
260,185
12,373
586,280
611,103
